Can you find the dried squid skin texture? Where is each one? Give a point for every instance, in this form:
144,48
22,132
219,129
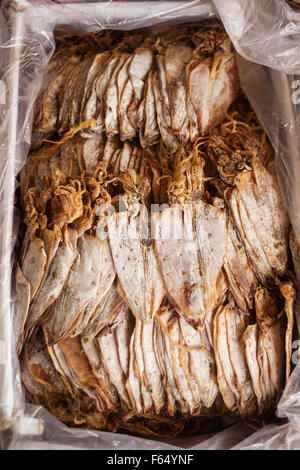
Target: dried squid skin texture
182,376
101,86
133,386
49,108
212,86
236,323
178,376
123,332
163,116
225,373
112,144
125,156
56,277
94,106
33,264
21,306
66,97
105,312
247,233
139,365
185,360
40,364
149,132
92,150
263,217
89,98
168,381
240,274
93,354
79,364
176,58
250,338
198,83
152,372
111,359
107,276
136,266
268,391
271,345
81,286
111,99
193,123
51,239
138,69
141,63
122,79
127,130
190,246
223,87
74,112
60,363
202,362
36,390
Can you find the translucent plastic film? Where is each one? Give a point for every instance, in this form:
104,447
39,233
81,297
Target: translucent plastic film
265,38
265,32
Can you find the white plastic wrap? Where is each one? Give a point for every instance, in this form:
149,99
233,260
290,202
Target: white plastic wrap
265,33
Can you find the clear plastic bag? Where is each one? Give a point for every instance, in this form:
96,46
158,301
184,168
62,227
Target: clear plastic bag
264,33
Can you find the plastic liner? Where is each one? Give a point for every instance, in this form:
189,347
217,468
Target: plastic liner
265,34
264,31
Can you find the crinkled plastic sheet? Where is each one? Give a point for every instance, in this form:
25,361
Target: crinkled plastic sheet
265,33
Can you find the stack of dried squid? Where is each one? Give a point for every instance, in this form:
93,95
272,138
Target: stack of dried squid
154,282
174,87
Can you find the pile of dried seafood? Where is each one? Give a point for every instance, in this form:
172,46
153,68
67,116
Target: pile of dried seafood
154,281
